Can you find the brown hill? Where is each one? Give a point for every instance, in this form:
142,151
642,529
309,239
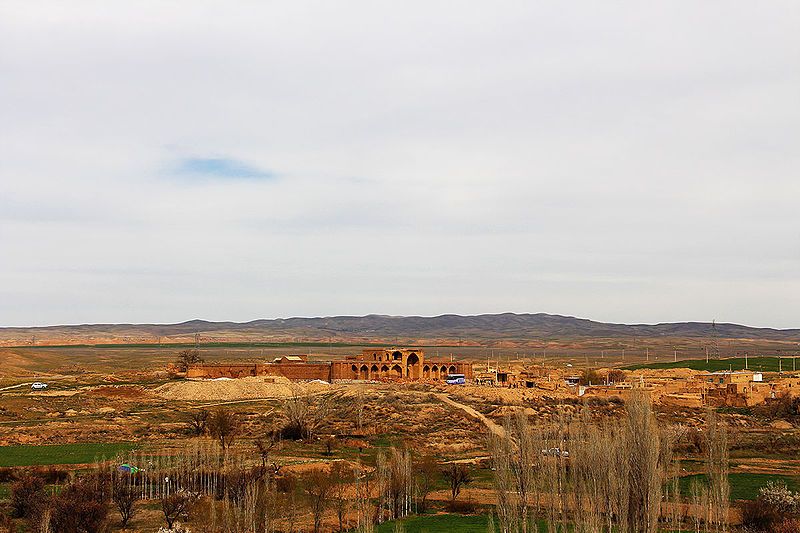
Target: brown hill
381,329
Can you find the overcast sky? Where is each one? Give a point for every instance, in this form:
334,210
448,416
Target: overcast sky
620,161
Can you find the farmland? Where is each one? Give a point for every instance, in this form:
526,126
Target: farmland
107,405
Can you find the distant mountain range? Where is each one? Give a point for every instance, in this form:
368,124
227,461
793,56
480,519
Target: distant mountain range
473,329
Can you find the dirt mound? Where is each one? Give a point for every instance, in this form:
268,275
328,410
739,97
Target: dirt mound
124,392
249,388
672,373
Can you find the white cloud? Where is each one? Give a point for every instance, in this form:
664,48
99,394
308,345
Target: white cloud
632,162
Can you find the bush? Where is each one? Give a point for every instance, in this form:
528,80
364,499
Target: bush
590,376
81,507
27,496
286,483
596,401
459,507
7,475
50,474
759,515
788,525
782,407
780,497
616,376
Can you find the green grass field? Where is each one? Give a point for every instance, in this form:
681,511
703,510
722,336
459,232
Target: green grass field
440,523
60,454
743,486
764,364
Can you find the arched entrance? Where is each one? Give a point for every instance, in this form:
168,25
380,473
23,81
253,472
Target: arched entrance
426,372
354,369
452,369
397,356
435,372
384,371
412,366
396,372
364,374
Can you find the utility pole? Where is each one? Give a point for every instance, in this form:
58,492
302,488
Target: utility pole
675,353
647,354
745,361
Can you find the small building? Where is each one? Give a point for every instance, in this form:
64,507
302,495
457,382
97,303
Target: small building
728,377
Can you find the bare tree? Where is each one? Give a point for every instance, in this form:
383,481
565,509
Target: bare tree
186,358
643,446
124,495
305,413
318,485
265,445
359,402
224,425
365,510
516,458
457,476
611,476
717,464
426,471
197,421
175,505
343,478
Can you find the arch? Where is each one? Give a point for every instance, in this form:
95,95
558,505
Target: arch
412,366
364,374
384,370
452,369
396,371
435,372
426,372
354,369
397,355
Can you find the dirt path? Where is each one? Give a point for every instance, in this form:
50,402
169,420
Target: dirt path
18,385
494,428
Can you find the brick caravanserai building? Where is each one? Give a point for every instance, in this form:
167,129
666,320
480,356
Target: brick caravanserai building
373,364
396,363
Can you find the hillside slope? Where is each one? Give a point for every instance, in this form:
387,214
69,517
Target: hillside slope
506,326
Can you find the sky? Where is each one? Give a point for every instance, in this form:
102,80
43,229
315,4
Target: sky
622,161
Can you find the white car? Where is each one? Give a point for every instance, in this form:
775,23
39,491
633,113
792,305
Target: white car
38,386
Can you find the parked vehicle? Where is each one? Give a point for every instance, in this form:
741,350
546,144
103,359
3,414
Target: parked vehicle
38,386
455,379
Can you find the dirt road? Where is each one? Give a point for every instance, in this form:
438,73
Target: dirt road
18,385
495,429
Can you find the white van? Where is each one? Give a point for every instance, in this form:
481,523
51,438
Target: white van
38,386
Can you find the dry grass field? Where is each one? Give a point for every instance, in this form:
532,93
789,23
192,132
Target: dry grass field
111,405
